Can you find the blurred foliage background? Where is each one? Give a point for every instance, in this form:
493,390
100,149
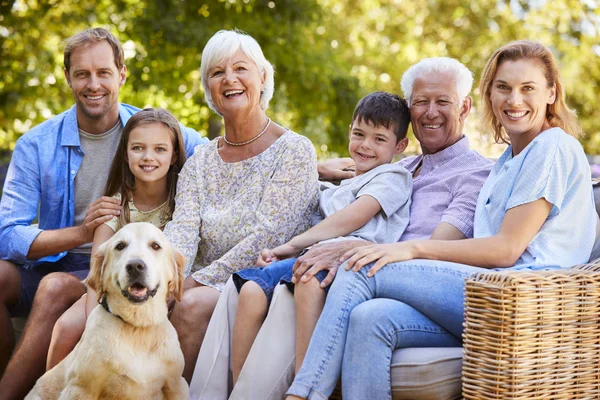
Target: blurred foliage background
327,54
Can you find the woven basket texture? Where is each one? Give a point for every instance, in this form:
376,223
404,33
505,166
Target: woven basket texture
533,335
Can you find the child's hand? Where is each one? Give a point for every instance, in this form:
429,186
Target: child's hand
286,251
266,257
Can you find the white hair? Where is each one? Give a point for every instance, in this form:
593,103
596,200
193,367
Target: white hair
222,46
438,65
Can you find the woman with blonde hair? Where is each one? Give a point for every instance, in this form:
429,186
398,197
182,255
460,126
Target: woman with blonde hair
536,203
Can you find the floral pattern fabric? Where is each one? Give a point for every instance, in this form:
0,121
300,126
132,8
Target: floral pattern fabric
227,212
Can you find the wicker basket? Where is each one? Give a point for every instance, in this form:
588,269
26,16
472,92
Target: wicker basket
533,335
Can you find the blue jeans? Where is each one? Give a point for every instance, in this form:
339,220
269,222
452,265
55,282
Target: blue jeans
428,312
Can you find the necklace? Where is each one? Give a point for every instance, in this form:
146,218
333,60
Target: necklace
251,140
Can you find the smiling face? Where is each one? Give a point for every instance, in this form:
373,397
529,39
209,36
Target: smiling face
150,153
137,269
95,81
236,84
436,113
371,146
520,96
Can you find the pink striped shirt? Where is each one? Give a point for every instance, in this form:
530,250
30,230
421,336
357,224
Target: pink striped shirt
446,189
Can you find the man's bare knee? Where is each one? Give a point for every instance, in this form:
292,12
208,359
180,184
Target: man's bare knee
10,282
60,289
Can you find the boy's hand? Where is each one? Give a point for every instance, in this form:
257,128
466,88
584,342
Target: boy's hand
286,251
265,258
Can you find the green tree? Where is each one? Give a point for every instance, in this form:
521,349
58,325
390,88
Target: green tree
327,53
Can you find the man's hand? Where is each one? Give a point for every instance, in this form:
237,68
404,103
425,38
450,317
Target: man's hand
99,212
321,257
336,169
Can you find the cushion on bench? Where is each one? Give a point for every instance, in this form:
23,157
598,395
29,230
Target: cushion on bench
426,373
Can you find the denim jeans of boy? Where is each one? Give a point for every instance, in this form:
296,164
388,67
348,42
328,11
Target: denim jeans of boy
429,296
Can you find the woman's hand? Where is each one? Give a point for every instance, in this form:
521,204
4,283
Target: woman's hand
381,254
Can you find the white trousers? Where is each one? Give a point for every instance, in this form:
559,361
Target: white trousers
269,368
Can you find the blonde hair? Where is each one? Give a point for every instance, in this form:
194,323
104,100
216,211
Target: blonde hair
558,114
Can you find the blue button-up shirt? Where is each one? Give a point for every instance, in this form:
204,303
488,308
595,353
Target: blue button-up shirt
553,167
41,176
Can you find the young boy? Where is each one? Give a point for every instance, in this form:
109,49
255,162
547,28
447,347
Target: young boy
373,206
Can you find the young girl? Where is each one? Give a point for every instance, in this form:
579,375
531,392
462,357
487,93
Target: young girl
143,176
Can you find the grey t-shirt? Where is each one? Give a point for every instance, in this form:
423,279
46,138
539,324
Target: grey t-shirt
390,185
99,151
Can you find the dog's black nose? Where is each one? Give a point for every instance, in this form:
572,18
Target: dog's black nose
135,267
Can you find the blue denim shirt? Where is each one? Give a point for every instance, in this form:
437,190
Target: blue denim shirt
41,177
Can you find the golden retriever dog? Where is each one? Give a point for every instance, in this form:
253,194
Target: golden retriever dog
129,349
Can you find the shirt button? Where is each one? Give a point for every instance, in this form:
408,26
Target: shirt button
72,172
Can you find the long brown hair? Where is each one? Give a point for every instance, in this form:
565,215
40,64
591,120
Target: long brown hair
558,114
122,181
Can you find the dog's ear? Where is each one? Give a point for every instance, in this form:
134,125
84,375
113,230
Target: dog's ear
94,278
176,285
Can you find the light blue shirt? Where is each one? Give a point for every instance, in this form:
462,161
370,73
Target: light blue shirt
554,167
41,175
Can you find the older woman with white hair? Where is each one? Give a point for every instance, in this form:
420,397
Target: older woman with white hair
254,187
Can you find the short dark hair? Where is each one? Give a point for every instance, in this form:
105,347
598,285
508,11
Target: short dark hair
93,35
384,109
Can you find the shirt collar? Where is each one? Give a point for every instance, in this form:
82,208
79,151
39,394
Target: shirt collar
70,135
430,162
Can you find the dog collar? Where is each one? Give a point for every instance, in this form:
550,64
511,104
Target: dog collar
104,304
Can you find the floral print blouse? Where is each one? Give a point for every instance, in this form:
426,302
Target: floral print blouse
226,213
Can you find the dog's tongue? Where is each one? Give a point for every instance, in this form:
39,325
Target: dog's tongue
138,290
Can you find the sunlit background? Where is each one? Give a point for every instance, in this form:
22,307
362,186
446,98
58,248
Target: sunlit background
327,54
